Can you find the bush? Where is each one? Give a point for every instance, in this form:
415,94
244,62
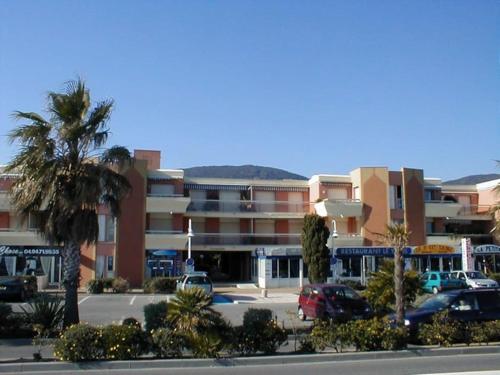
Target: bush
380,288
131,322
155,315
80,342
160,285
124,342
442,331
167,343
95,286
45,313
120,285
259,333
306,345
107,283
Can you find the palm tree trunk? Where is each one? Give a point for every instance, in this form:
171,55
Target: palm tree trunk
398,285
71,271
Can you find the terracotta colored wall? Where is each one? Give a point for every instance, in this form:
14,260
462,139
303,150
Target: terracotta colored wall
6,183
212,225
281,226
395,178
105,248
244,225
131,228
177,222
150,156
413,194
439,225
4,220
351,225
374,185
87,264
281,196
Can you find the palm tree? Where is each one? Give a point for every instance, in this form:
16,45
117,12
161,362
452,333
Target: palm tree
190,310
65,174
397,237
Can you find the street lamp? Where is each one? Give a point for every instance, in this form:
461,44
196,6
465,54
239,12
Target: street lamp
334,235
190,235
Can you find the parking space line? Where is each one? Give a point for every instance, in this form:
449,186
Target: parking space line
84,299
132,300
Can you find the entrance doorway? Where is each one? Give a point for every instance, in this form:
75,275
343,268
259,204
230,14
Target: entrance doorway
225,266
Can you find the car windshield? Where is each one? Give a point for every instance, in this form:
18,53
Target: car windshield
330,292
438,302
475,275
198,280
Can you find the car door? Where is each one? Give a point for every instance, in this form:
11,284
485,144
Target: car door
489,304
304,301
465,308
316,303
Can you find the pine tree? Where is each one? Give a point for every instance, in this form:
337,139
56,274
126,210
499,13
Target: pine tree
315,253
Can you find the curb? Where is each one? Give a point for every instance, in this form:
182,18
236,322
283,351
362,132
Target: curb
244,361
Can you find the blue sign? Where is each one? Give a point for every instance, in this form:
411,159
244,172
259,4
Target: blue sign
189,262
373,251
159,253
333,261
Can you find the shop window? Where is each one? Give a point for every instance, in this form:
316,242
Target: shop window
457,263
274,271
294,268
283,268
435,264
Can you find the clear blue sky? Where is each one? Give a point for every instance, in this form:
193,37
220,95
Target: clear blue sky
307,86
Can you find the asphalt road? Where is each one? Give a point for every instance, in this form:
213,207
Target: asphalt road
477,364
113,308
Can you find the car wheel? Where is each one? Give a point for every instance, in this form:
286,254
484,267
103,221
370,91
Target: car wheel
300,314
435,290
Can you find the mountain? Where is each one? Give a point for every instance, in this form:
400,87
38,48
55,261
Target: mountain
251,172
473,179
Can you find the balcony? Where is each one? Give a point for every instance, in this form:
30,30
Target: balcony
351,239
442,209
157,239
167,203
454,239
4,201
339,208
243,241
247,208
474,212
21,237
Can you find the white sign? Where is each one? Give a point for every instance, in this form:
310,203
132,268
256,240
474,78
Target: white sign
467,262
487,249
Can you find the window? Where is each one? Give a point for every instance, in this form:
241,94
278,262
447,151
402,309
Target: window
110,263
428,196
433,276
106,228
294,268
429,227
274,271
283,268
489,301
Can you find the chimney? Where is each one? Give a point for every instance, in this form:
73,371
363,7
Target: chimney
151,156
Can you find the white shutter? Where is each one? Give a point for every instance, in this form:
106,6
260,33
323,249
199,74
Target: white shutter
337,193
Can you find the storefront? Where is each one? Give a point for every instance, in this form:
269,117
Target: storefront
41,261
278,267
487,258
161,263
436,257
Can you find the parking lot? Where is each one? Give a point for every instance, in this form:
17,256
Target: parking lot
109,308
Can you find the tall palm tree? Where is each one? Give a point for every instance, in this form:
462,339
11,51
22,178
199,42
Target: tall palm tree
65,174
397,237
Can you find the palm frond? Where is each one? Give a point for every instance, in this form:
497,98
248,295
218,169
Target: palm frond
116,155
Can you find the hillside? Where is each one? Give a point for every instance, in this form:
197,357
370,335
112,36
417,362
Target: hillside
252,172
473,179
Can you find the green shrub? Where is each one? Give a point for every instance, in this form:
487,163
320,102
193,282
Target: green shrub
80,342
45,313
107,283
306,345
131,322
330,334
124,342
155,315
442,331
167,343
120,285
95,286
380,288
259,333
160,285
356,285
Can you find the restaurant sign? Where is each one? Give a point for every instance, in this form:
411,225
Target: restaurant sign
487,249
433,249
47,251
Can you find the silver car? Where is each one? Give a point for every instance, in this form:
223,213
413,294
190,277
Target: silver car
196,280
474,279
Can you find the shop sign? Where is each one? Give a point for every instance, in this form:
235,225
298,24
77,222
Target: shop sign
278,251
487,249
433,249
467,263
369,251
47,251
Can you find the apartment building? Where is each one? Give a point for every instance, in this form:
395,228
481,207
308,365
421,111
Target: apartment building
249,230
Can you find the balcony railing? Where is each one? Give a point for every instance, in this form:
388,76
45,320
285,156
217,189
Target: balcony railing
473,210
214,205
157,231
245,239
172,195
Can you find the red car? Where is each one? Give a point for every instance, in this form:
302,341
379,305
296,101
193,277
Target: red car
332,301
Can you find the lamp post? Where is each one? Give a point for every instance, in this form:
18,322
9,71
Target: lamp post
334,235
190,235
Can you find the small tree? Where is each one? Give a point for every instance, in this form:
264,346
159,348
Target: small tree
397,236
315,253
